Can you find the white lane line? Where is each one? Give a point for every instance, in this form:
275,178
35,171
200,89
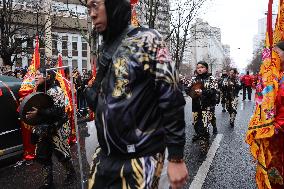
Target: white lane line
242,105
201,175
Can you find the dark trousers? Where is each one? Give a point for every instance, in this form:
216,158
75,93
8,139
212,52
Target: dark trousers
247,89
113,173
201,120
56,144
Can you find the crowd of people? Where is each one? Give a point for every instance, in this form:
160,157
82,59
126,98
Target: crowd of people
80,81
207,92
18,72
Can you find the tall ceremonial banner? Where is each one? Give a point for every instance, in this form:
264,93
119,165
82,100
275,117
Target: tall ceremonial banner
66,87
134,18
261,126
28,83
27,87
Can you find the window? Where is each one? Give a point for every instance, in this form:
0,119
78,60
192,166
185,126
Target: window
74,63
64,46
74,46
84,49
84,64
30,43
19,62
18,42
65,62
54,45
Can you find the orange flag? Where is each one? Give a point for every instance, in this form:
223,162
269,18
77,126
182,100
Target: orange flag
66,87
28,84
261,126
27,88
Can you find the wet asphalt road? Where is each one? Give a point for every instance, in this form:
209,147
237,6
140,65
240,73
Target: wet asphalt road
231,168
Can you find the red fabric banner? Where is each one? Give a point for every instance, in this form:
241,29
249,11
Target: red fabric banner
27,88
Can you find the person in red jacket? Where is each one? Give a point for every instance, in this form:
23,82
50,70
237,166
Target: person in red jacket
247,82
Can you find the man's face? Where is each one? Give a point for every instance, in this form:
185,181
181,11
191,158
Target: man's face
97,12
201,69
39,79
224,72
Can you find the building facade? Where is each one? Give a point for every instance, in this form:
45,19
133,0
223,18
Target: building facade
69,31
205,45
259,38
162,17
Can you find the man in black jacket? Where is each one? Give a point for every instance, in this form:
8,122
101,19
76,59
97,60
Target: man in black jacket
232,88
140,109
203,90
222,83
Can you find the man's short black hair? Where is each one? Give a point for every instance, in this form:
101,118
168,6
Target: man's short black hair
118,18
203,63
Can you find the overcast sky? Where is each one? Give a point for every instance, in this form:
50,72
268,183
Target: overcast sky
238,20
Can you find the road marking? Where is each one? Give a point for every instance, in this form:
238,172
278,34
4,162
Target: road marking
201,175
242,106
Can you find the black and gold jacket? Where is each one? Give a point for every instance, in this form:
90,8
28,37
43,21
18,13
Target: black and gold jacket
209,91
230,87
140,108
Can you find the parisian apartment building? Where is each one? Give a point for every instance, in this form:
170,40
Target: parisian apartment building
69,31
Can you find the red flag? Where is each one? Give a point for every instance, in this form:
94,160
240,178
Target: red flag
269,24
60,64
37,55
94,68
1,93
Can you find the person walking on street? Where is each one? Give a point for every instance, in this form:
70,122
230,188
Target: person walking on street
247,82
203,90
140,108
232,88
222,83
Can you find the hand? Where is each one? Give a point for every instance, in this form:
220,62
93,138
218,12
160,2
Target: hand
32,114
178,174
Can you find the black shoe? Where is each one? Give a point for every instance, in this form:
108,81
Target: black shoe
223,110
195,138
232,124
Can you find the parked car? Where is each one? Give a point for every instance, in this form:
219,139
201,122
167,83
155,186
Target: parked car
10,131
